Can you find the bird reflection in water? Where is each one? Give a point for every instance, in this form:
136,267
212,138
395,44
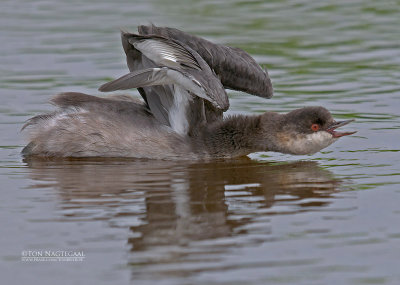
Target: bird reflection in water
183,202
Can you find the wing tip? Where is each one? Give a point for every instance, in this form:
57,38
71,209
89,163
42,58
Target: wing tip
270,92
105,87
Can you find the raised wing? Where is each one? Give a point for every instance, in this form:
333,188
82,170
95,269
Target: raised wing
167,53
184,67
139,78
179,87
236,68
163,76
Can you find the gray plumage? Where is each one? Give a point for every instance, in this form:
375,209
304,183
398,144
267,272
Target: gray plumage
89,126
235,67
170,73
211,65
181,79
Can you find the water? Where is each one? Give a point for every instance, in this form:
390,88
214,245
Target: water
330,218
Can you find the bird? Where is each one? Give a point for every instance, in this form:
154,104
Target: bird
182,80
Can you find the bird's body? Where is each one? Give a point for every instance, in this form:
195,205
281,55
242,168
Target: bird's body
121,126
181,79
89,126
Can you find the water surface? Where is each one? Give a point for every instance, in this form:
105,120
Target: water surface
330,218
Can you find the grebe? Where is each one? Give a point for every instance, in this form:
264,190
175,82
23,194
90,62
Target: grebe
182,79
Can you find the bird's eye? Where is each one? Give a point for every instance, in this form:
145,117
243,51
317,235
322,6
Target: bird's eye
315,127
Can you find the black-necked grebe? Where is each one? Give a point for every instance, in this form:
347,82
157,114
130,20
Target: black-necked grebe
181,79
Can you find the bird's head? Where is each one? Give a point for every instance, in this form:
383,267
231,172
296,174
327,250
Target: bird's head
307,130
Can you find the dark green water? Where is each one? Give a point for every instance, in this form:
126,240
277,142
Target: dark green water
330,218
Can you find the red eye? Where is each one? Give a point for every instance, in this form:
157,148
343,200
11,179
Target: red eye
315,127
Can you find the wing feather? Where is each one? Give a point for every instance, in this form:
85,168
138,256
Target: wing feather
165,52
161,76
235,67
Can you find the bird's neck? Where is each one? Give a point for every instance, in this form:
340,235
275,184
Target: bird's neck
239,136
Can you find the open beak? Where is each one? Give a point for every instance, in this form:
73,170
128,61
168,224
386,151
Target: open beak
332,127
